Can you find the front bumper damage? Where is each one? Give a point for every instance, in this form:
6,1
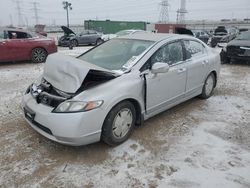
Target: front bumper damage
66,128
63,79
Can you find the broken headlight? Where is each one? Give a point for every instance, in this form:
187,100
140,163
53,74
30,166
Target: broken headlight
77,106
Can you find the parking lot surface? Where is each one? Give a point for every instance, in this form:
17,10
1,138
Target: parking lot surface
200,143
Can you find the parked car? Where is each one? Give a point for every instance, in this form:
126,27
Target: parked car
242,30
202,35
223,35
86,37
237,49
39,29
122,33
183,31
21,45
105,92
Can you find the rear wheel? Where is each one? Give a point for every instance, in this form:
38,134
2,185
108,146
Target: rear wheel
98,41
38,55
119,123
208,86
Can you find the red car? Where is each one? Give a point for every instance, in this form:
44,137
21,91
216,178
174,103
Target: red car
20,45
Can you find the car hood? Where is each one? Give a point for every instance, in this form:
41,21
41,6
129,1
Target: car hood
68,73
239,43
67,30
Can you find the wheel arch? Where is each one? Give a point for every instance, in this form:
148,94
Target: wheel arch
42,47
138,109
215,76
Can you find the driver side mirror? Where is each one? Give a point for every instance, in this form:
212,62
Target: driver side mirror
159,67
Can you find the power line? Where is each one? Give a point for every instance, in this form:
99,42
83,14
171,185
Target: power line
164,13
19,12
35,9
181,12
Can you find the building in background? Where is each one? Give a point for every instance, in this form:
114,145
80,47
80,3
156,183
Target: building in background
108,26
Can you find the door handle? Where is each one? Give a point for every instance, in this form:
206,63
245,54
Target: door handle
181,70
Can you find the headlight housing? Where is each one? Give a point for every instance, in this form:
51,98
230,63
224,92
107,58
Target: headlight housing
77,106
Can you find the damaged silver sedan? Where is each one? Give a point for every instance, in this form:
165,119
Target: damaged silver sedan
104,93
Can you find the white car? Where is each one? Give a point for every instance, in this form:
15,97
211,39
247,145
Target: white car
121,33
105,92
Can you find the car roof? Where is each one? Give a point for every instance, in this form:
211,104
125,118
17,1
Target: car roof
150,36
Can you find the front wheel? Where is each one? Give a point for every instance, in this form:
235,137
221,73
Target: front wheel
119,123
208,87
38,55
74,43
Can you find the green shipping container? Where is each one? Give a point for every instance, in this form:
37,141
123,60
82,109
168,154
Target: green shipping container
108,27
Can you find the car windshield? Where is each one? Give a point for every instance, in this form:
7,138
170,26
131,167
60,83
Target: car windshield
122,33
116,53
244,36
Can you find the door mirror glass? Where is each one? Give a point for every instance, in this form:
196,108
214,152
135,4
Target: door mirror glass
159,67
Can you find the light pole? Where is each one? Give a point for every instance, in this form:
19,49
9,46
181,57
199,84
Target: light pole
67,7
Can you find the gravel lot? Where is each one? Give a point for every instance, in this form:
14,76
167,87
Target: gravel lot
200,143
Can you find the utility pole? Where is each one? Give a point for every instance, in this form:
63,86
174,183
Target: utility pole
181,12
164,13
35,9
67,6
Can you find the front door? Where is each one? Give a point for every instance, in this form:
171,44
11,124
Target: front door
166,89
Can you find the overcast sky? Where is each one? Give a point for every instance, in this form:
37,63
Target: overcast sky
51,11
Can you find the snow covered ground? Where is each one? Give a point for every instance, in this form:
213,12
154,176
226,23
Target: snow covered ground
200,143
76,51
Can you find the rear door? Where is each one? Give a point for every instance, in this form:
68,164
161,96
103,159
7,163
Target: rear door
197,62
84,38
93,36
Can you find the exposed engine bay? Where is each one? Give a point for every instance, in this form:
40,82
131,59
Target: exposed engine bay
46,94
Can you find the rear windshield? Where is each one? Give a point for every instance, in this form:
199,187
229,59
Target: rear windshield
114,54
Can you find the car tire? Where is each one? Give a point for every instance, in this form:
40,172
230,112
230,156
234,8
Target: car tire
98,42
208,87
39,55
224,58
74,42
227,60
119,123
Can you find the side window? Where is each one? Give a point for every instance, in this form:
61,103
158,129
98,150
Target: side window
1,34
92,32
84,32
170,53
193,48
17,35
